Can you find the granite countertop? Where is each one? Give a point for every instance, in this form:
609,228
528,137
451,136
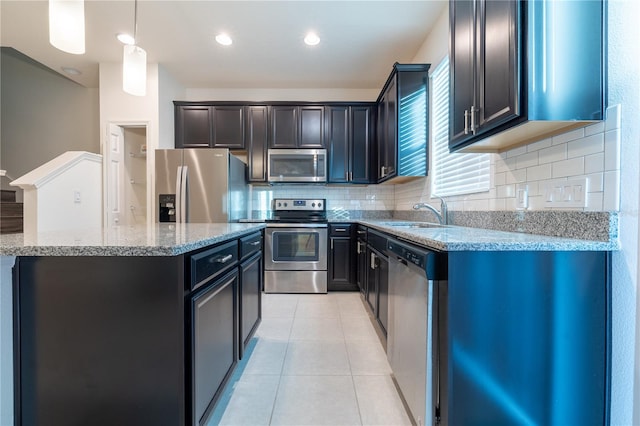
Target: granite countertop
160,239
459,238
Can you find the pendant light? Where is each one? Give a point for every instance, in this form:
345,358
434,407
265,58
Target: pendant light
134,63
66,25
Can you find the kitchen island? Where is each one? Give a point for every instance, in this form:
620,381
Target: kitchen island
128,325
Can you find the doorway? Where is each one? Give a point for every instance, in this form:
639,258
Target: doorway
125,170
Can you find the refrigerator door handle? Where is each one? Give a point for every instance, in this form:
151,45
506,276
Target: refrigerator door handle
178,194
185,194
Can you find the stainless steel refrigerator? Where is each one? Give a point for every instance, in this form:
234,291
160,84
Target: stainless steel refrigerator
200,186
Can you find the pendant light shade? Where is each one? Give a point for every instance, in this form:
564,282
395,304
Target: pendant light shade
66,25
134,70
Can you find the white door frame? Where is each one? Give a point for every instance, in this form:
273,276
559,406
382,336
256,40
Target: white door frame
106,168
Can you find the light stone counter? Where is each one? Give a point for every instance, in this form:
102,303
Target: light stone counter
160,239
459,238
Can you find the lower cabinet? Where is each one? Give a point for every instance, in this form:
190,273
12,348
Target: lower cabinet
214,342
250,299
341,274
377,294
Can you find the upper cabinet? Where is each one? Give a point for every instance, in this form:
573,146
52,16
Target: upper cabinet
350,143
256,141
402,119
522,71
198,125
295,126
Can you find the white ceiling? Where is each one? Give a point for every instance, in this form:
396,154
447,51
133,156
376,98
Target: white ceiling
360,39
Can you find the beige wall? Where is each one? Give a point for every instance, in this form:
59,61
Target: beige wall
43,114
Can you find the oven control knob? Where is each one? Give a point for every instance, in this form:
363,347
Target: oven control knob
285,204
313,204
319,204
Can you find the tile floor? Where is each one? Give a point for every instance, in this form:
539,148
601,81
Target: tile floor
315,360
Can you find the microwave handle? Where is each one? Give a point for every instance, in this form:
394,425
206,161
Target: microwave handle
315,165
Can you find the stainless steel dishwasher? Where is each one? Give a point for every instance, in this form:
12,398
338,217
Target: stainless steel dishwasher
415,274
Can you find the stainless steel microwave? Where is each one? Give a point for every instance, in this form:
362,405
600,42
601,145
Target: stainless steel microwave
297,165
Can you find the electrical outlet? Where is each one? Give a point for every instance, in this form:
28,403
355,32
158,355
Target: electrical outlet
522,196
76,197
566,193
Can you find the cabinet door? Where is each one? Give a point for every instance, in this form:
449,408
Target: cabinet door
461,61
382,275
311,127
361,141
498,64
215,342
257,134
338,143
372,282
361,271
193,126
340,264
387,128
250,299
228,127
284,126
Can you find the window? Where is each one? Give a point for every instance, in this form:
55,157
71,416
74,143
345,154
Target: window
452,174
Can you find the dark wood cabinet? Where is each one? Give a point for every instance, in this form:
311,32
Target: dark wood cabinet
215,342
228,127
377,294
257,136
193,126
485,71
295,126
402,118
349,143
250,288
341,263
504,91
361,259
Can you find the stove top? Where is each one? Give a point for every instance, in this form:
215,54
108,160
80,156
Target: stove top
298,210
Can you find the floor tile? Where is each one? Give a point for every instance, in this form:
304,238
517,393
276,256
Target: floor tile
251,402
379,401
319,400
358,328
316,357
316,329
318,308
367,357
267,357
352,308
274,328
279,305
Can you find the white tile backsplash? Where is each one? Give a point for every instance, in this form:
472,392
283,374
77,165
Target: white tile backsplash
592,152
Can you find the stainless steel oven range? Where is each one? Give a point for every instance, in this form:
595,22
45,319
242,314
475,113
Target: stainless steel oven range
296,247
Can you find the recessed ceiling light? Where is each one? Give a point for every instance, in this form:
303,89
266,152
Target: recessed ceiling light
126,38
311,39
224,39
71,70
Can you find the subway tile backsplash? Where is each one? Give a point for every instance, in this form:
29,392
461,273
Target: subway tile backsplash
591,152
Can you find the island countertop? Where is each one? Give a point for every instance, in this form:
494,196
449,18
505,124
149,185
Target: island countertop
159,239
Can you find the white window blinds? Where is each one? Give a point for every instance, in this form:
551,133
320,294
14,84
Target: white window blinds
452,174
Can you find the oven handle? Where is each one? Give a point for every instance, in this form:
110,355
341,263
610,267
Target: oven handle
296,225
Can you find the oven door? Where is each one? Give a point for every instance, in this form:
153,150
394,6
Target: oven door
296,247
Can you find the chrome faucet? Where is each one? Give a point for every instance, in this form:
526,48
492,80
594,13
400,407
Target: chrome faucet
442,215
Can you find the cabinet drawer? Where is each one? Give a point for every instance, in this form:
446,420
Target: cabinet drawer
209,263
250,244
361,233
340,230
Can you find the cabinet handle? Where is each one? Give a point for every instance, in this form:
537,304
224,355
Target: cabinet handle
340,230
473,119
255,243
373,260
223,259
358,247
350,176
466,122
332,244
382,173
